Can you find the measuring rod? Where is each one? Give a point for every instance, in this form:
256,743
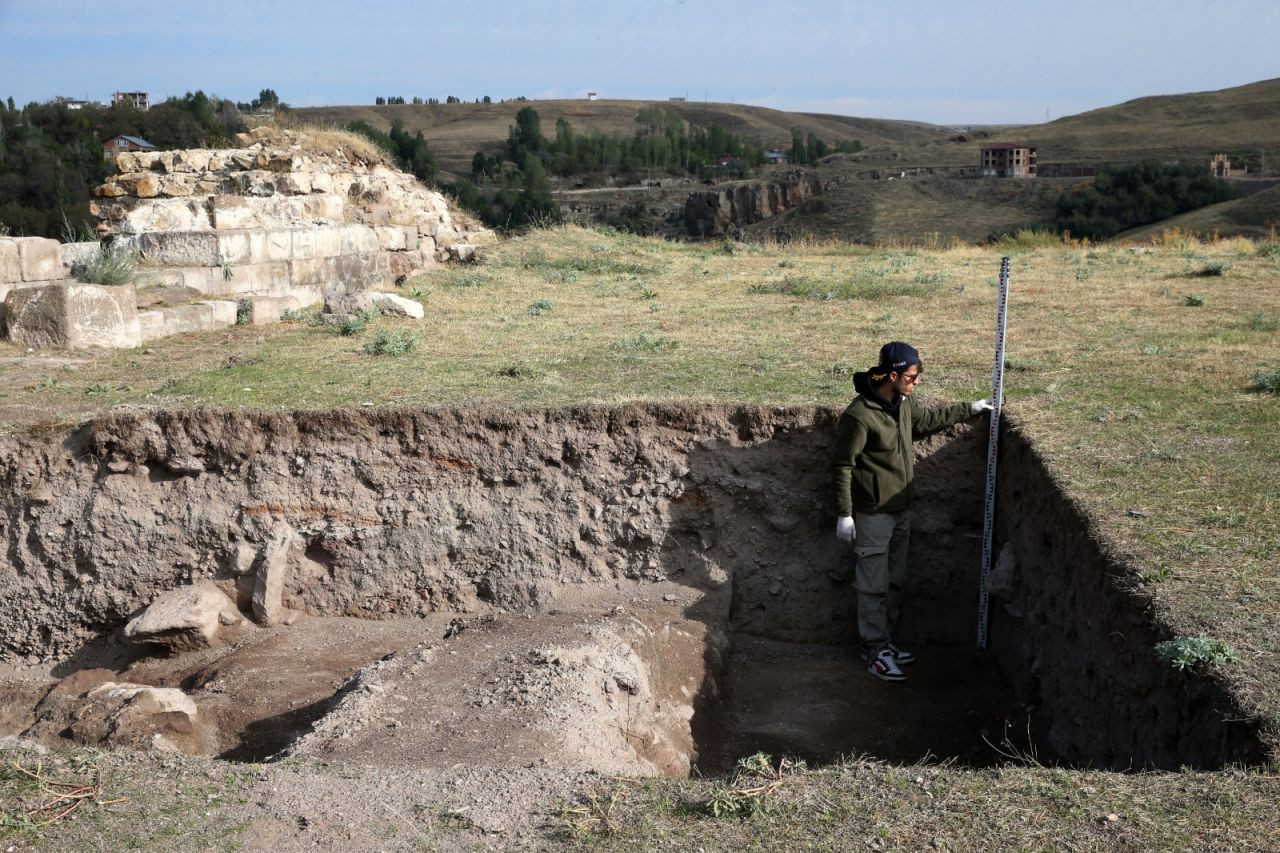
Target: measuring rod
993,443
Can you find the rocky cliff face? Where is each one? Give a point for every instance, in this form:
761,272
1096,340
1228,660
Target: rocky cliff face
717,213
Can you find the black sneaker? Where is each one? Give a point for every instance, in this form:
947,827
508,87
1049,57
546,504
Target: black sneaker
885,667
901,656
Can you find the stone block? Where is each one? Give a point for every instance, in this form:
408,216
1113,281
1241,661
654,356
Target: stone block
397,306
328,241
232,212
75,253
184,619
324,207
161,214
151,325
233,247
180,248
224,312
40,259
178,186
279,244
192,317
390,238
357,239
273,573
10,266
72,315
304,246
313,272
321,182
267,309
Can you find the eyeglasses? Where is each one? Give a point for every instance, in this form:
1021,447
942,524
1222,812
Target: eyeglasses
911,378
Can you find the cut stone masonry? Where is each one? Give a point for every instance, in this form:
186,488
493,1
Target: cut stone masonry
276,221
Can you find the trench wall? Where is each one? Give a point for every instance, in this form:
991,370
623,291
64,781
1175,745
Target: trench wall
1077,641
410,512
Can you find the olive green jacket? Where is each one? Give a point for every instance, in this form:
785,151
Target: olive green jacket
873,460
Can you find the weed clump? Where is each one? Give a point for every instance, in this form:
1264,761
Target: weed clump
647,341
540,307
353,324
746,793
391,342
1184,653
1027,239
1212,269
107,266
244,311
1267,380
1193,300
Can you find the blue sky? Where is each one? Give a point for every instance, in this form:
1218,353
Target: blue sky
942,62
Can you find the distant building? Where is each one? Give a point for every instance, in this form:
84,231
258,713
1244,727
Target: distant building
1220,166
138,99
112,147
1008,160
777,158
591,96
677,99
71,103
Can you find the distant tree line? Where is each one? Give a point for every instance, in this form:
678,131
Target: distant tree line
1126,197
382,101
51,155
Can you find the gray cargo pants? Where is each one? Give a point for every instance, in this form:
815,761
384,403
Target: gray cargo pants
880,570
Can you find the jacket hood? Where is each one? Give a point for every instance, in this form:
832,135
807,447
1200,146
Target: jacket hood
861,383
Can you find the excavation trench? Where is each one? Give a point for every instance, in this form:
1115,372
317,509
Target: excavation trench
637,589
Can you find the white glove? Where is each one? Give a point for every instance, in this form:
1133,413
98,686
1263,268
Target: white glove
977,407
844,528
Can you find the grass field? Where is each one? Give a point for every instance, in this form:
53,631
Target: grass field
1147,375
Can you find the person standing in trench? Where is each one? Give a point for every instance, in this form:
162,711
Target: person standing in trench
872,469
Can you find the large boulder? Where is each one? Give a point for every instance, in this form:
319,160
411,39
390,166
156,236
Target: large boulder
71,315
140,716
185,618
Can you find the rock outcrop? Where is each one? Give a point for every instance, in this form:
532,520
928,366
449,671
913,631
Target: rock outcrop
718,213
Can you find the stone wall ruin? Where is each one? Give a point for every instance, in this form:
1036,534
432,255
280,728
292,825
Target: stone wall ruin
282,222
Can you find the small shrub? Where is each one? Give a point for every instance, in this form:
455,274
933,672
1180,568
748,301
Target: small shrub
646,293
353,324
540,307
1269,249
1083,273
1212,269
107,266
391,342
1154,349
1264,322
1193,300
1183,653
646,341
244,311
519,371
1267,380
1028,238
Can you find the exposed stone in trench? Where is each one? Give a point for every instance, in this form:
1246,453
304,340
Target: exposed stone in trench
570,580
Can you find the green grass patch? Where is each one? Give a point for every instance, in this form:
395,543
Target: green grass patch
870,286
